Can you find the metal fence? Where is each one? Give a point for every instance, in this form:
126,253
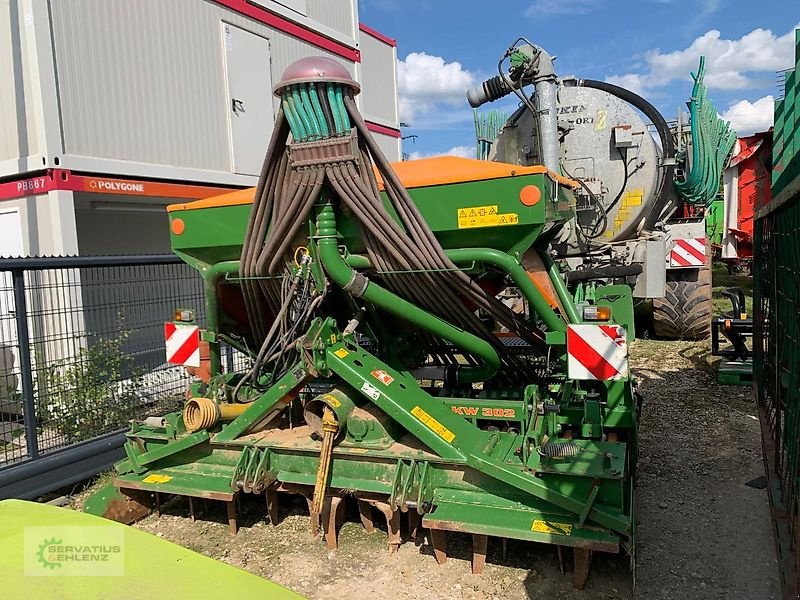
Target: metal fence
777,331
81,354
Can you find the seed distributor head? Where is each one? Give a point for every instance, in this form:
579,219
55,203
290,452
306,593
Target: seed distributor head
313,92
315,69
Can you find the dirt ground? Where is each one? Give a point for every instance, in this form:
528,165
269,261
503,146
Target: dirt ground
703,534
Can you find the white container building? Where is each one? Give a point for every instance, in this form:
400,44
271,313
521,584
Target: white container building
111,109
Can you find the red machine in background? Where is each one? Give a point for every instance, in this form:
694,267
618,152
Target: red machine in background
746,186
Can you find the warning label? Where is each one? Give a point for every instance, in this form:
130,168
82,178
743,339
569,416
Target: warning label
156,478
484,216
382,376
552,527
434,425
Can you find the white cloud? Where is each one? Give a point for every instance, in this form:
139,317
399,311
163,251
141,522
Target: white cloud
546,8
730,64
749,117
462,151
427,82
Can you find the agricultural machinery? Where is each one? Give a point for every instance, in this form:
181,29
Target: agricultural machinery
641,200
385,363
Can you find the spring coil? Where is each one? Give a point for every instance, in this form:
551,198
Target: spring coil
200,413
559,450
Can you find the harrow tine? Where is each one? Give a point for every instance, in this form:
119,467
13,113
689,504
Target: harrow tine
233,526
271,497
365,512
330,517
414,521
479,547
439,543
583,558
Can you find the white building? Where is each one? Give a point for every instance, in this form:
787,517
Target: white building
111,109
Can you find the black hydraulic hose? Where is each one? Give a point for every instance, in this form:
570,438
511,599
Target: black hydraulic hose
658,202
625,178
599,227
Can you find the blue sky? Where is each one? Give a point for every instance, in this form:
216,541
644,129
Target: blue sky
649,46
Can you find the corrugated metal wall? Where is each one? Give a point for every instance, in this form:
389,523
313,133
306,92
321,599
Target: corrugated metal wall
144,81
17,125
379,81
338,15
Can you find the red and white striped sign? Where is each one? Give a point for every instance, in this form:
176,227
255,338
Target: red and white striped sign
183,344
597,352
689,252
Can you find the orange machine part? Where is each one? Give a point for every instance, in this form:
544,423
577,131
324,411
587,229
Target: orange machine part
530,195
425,172
178,226
533,264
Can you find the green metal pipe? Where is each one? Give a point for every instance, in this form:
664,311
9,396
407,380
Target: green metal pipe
211,275
520,277
338,270
504,261
561,288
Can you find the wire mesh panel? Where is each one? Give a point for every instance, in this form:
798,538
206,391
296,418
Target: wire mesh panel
12,428
777,369
93,334
776,335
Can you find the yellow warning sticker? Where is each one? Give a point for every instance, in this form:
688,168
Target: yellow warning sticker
484,216
600,123
630,200
434,425
552,527
155,478
341,352
332,400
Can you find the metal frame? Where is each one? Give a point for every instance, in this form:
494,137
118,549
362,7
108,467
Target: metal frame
40,472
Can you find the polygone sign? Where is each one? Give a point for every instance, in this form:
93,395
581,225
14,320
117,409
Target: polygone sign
61,179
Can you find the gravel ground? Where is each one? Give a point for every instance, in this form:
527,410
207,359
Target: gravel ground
703,534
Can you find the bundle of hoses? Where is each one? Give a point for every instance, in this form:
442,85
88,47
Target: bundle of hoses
408,257
712,142
487,128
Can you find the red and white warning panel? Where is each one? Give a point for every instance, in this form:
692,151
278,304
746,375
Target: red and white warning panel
597,352
689,252
183,344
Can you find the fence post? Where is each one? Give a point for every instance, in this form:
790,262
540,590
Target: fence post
25,365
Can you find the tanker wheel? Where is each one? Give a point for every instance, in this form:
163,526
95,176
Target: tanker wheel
684,313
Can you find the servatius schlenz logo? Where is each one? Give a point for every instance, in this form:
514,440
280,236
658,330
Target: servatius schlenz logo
75,551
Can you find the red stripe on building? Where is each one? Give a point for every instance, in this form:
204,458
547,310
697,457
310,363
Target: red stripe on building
299,31
378,35
588,357
376,128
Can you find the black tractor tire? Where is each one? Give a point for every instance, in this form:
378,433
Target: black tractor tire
684,313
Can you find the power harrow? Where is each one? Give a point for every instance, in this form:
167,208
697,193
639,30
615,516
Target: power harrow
409,344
